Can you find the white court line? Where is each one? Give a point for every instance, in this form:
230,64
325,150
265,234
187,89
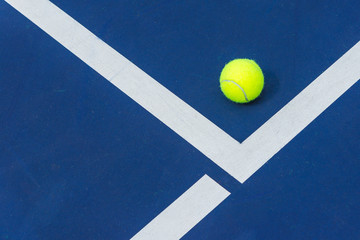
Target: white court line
185,212
159,101
239,160
280,129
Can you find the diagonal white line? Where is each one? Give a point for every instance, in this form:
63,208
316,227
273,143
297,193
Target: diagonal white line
280,129
239,160
159,101
185,212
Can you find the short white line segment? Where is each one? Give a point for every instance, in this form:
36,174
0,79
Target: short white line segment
239,160
185,212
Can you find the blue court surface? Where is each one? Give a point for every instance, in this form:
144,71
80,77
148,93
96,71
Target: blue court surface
91,147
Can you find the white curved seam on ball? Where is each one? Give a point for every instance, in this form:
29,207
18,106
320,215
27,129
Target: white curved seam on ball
238,86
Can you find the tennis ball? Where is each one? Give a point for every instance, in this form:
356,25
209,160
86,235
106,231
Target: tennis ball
241,80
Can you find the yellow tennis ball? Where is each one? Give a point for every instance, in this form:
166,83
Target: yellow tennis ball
241,80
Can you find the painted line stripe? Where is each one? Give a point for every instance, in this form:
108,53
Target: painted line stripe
159,101
185,212
239,160
280,129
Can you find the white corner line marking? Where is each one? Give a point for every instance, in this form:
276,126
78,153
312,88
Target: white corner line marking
239,160
281,128
185,212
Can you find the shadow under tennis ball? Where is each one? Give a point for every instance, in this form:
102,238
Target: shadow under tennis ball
271,88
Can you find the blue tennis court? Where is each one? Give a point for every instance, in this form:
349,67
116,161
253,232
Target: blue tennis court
113,125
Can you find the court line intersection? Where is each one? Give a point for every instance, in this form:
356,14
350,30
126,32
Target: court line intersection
239,160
